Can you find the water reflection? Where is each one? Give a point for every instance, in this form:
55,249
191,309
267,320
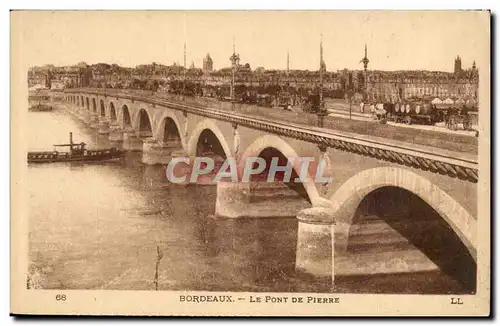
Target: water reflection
98,226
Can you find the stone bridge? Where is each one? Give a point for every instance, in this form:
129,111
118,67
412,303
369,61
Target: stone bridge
385,194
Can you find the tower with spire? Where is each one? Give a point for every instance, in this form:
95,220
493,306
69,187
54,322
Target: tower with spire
208,64
458,65
322,65
235,58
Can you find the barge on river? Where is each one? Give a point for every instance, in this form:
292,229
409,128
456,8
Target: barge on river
77,153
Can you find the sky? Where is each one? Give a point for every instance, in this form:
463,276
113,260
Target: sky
396,40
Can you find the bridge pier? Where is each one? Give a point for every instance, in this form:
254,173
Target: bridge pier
76,112
94,120
143,134
316,242
257,199
72,108
115,133
131,142
87,117
84,116
232,199
103,128
154,152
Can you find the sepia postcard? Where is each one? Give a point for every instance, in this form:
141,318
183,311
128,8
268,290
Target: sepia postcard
250,163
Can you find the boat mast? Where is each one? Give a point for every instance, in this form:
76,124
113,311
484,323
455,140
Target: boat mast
71,142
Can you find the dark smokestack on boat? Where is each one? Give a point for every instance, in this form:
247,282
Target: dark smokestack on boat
71,138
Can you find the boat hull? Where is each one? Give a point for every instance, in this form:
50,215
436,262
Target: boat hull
88,156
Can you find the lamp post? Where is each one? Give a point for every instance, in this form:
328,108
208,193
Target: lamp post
321,110
365,61
321,113
350,94
235,60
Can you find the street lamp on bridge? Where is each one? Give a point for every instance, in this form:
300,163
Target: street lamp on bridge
322,67
235,61
350,94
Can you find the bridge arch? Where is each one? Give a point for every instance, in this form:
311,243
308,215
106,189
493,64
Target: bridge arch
169,129
204,127
88,103
348,197
94,105
103,109
81,101
142,122
266,142
112,112
126,121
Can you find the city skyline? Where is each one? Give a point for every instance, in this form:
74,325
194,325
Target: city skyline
127,39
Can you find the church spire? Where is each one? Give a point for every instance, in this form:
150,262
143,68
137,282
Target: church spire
322,65
321,48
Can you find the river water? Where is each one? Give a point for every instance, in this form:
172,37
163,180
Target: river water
100,226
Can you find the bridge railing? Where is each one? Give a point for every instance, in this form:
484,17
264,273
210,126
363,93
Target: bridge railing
419,136
435,160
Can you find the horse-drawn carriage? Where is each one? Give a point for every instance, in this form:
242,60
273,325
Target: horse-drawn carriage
456,114
418,112
264,100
